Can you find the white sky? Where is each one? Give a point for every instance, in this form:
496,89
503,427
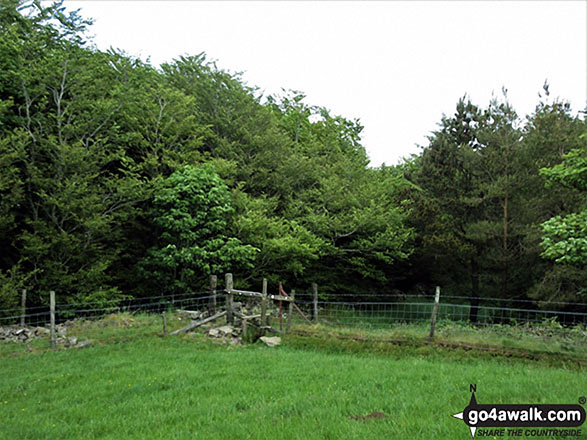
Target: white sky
397,66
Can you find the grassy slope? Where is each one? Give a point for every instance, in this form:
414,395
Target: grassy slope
180,388
557,350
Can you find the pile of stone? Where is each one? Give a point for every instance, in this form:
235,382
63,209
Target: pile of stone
72,342
17,333
227,334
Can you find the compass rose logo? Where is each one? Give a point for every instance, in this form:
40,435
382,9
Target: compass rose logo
477,415
472,404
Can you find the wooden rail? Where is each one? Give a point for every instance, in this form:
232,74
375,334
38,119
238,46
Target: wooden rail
258,295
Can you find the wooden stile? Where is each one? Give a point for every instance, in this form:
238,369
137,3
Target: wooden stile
198,323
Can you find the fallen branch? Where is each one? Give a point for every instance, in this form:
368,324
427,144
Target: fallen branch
198,323
269,328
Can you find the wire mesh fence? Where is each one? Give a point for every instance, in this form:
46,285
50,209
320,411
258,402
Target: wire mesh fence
78,326
358,309
378,311
375,309
40,315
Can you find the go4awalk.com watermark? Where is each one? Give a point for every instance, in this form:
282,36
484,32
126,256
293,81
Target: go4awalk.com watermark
525,420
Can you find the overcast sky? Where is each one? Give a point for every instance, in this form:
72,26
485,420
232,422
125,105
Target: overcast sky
397,66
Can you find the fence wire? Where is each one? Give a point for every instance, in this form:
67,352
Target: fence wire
359,311
379,314
369,309
40,315
380,309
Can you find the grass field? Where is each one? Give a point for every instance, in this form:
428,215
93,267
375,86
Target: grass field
308,388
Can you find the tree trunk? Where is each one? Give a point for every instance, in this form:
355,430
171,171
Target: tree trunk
505,247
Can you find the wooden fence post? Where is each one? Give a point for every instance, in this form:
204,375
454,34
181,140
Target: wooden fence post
229,286
315,300
52,312
22,307
244,327
290,310
280,309
164,323
434,314
212,301
264,318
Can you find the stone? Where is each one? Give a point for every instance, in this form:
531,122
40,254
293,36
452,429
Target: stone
71,341
270,341
191,314
237,306
83,344
225,330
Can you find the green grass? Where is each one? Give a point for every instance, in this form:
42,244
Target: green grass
189,388
111,329
547,340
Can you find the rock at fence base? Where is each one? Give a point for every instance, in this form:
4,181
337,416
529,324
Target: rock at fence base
127,322
83,344
270,341
225,330
42,331
69,342
237,306
191,314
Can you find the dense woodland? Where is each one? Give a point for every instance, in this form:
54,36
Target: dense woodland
118,178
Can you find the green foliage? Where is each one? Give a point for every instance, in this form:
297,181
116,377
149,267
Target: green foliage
565,237
118,179
191,210
572,172
64,195
285,246
483,201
